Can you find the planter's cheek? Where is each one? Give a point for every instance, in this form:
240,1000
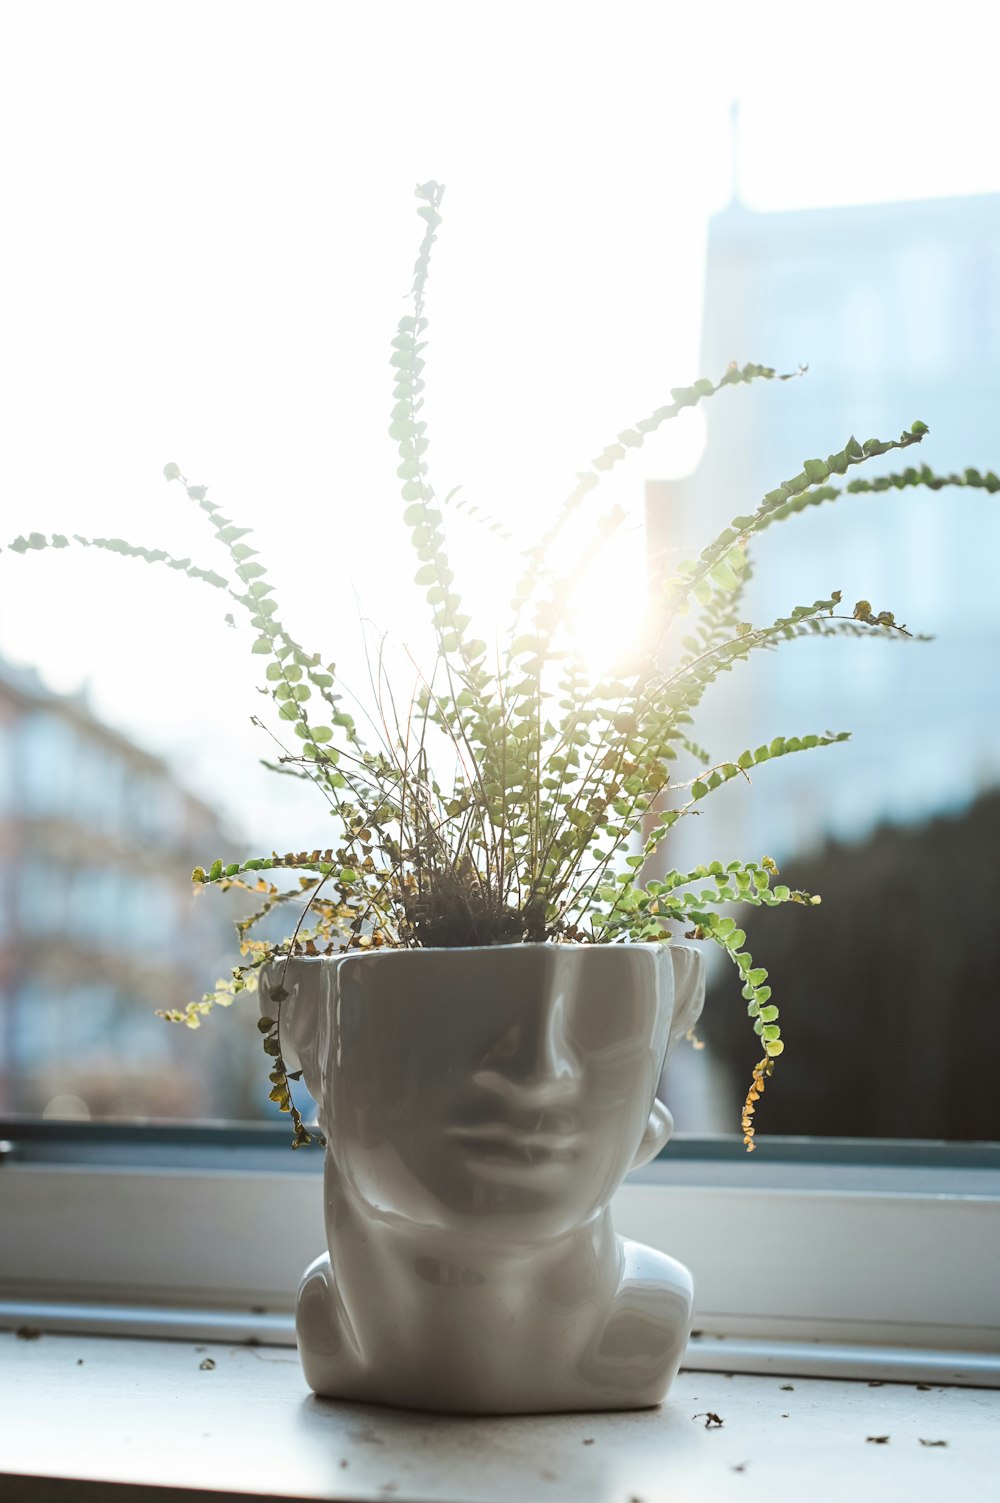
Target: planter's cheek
618,1043
616,1118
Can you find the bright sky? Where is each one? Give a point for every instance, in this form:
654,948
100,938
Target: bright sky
209,229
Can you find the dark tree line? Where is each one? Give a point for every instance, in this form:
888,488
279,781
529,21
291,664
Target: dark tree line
889,992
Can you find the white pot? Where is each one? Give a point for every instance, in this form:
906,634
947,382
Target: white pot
481,1107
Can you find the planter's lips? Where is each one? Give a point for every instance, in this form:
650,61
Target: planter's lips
499,1142
505,1132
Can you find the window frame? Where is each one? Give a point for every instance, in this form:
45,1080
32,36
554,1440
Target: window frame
840,1257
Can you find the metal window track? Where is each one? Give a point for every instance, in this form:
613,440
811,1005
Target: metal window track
727,1354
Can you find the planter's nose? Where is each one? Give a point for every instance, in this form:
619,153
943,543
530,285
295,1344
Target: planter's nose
532,1064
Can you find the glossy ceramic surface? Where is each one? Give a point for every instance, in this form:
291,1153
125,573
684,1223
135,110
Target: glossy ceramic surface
480,1108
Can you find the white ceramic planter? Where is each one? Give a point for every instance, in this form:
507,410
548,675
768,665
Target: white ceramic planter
481,1106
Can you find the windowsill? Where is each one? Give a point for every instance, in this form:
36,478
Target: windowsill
146,1416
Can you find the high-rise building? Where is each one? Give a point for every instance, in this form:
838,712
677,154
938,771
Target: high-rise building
98,923
895,308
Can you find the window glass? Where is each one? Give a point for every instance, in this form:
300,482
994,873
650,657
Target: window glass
214,229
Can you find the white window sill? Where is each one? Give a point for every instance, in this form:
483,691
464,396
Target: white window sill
83,1412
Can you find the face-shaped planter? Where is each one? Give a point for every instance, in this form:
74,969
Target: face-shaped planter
481,1106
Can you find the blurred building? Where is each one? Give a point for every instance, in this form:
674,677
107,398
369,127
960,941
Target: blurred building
896,310
98,924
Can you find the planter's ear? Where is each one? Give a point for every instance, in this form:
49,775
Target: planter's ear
301,1015
689,991
657,1134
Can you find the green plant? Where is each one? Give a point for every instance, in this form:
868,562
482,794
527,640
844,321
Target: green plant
517,797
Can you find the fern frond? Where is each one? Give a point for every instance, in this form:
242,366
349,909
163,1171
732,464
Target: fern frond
614,453
479,514
719,563
422,515
701,786
970,479
289,660
314,861
37,541
694,750
719,619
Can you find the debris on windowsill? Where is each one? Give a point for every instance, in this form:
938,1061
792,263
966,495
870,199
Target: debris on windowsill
712,1420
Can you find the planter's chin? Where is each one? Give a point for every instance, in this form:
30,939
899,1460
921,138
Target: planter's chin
481,1106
